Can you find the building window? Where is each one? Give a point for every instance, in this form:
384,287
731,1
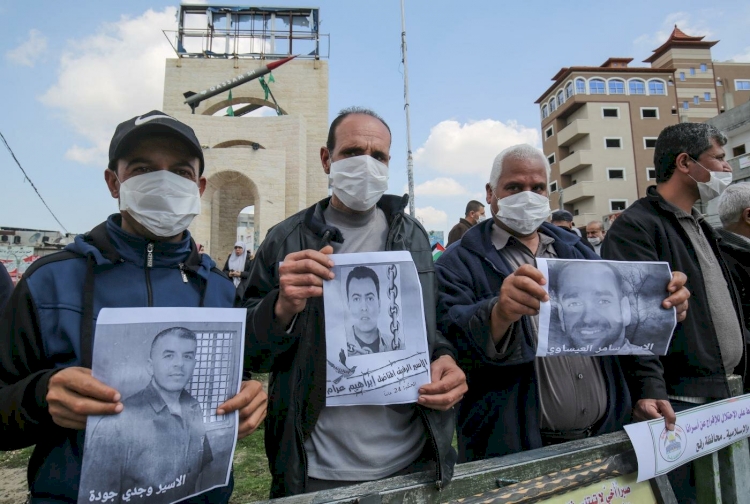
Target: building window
742,85
576,212
637,87
649,142
560,99
692,71
617,205
738,151
615,174
545,111
580,86
707,96
696,100
552,105
616,87
649,113
568,90
549,132
685,105
650,173
703,68
610,112
613,143
682,76
656,87
596,86
553,186
551,158
718,82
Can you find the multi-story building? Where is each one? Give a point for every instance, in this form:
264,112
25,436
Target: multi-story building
600,124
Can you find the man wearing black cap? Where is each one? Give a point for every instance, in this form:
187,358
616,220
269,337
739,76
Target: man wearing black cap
142,257
564,219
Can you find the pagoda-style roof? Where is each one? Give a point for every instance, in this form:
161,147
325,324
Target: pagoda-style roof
679,38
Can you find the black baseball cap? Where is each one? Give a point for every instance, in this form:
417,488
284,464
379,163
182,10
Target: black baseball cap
562,215
141,126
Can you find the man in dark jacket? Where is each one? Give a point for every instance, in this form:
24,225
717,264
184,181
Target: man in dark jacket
310,446
490,295
663,226
6,287
734,212
141,257
473,216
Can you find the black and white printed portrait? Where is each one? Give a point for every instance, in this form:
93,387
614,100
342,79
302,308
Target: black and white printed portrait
168,443
373,307
608,308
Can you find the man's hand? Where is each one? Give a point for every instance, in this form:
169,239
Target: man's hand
678,296
301,276
648,409
448,385
521,294
73,394
252,402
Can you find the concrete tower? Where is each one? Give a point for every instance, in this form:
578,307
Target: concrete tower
267,154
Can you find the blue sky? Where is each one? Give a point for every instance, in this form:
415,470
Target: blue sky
69,75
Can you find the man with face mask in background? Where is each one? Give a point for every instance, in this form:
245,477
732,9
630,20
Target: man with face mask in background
663,226
474,215
490,295
312,447
141,257
595,233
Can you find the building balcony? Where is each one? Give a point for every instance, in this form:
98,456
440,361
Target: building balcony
577,161
573,132
578,192
582,219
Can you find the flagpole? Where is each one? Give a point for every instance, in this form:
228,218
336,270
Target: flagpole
409,160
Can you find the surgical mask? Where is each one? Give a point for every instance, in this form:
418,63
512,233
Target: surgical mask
162,202
595,241
523,212
716,185
359,181
481,218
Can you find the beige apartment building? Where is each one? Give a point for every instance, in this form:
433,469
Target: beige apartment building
600,124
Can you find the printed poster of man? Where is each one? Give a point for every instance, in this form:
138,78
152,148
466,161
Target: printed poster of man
376,338
605,308
173,367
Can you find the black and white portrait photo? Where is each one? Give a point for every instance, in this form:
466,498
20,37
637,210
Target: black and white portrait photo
168,443
375,330
367,332
605,308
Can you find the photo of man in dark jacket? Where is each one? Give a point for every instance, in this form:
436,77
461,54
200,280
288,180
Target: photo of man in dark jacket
311,447
142,256
490,296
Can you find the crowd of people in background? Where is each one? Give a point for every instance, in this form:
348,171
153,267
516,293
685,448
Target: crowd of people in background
481,307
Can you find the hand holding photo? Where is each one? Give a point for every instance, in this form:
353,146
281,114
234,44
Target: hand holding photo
605,308
376,339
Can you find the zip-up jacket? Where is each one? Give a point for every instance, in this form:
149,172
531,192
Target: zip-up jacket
649,231
501,412
49,325
296,358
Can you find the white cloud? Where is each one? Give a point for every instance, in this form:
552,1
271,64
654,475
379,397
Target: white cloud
110,76
431,218
683,20
743,57
470,148
29,51
441,186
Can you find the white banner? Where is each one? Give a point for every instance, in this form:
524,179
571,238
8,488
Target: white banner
698,432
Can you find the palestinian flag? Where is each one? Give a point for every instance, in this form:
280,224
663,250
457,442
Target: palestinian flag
437,251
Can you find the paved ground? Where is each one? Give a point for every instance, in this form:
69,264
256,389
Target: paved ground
12,486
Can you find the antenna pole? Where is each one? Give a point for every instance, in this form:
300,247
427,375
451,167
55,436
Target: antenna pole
409,160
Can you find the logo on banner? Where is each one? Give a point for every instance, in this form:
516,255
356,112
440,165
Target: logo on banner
672,444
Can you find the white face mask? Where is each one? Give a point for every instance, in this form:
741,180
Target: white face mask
481,218
162,202
595,241
716,184
359,181
523,212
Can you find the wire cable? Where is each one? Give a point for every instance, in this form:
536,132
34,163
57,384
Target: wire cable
30,182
